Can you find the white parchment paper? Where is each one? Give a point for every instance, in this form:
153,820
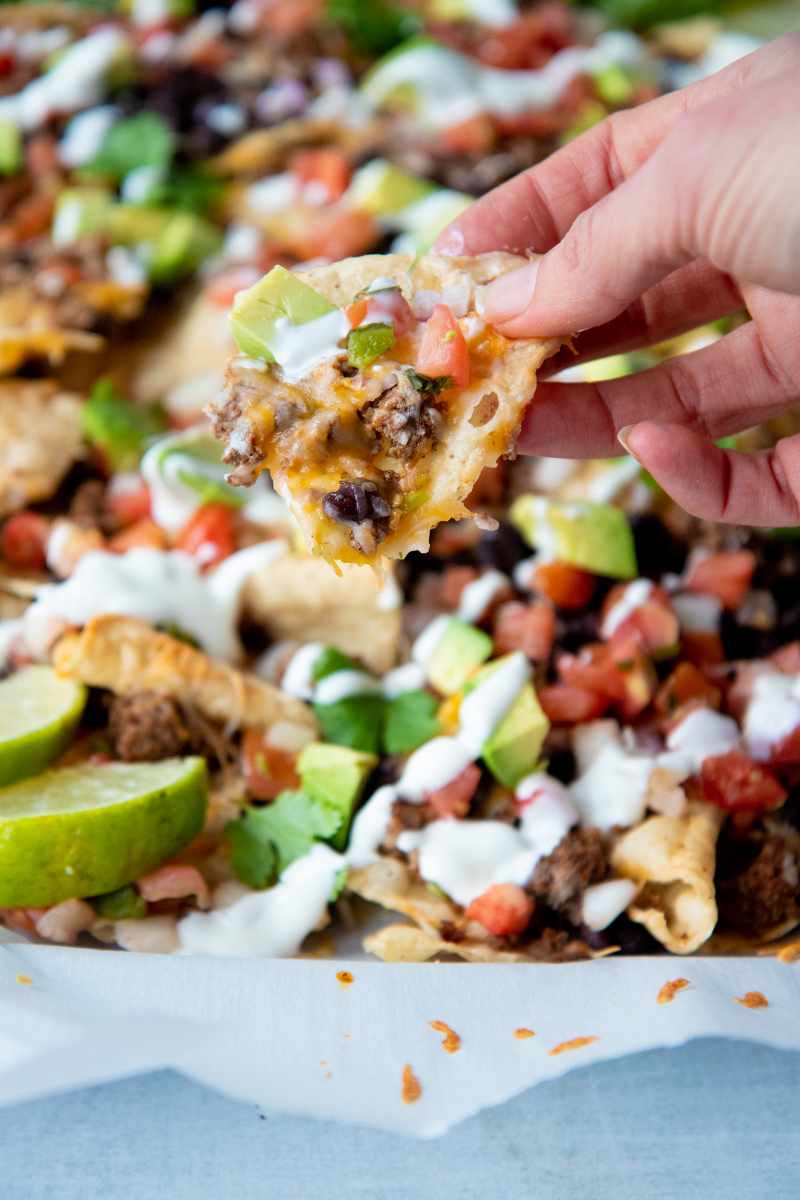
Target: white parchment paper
287,1035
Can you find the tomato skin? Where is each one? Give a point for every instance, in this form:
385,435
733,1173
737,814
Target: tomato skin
268,770
453,800
530,628
726,576
565,704
735,783
324,165
23,542
786,752
568,587
209,535
503,909
443,350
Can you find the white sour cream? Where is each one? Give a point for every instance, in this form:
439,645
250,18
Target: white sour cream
547,812
340,685
85,133
700,735
297,349
613,790
269,924
298,678
428,641
486,705
634,595
602,903
432,766
478,595
410,677
772,713
697,613
464,858
370,826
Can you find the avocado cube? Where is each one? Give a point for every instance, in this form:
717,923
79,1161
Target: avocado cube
334,776
594,537
279,294
513,750
10,148
182,245
134,224
461,649
380,188
80,211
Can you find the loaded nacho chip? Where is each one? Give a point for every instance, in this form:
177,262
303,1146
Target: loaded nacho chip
375,395
40,439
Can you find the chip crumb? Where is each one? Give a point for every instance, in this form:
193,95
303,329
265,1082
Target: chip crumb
347,1036
412,1088
523,1032
25,980
451,1041
789,953
573,1044
670,990
752,1000
346,978
328,1075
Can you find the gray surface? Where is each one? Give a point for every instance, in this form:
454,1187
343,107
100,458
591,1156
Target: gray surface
711,1120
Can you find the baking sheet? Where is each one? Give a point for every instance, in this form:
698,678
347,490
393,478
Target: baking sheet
289,1036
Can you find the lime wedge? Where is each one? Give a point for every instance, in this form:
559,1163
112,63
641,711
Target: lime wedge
38,712
89,829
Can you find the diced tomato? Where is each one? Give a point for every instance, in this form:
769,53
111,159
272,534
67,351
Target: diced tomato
686,683
142,533
726,575
22,919
454,798
268,770
565,704
324,165
454,580
41,155
210,535
734,782
32,217
787,658
475,135
443,349
652,623
568,587
7,64
127,505
336,233
530,628
174,881
594,670
786,752
23,542
356,312
529,41
704,649
223,288
503,909
638,675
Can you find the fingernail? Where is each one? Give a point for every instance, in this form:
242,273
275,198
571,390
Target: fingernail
623,437
510,295
450,243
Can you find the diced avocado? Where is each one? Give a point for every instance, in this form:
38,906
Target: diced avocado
278,294
461,649
356,721
595,537
614,85
334,776
10,148
380,188
80,211
121,905
367,343
513,749
133,224
182,245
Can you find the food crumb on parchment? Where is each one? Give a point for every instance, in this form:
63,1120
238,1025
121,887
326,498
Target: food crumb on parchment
25,980
576,1043
670,990
346,978
788,953
451,1041
752,1000
523,1032
412,1088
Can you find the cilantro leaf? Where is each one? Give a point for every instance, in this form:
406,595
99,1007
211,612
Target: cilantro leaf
264,841
121,429
372,26
331,659
356,721
410,721
428,386
141,141
189,189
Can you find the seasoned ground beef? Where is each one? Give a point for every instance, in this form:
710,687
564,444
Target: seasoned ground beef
403,422
88,508
146,727
578,860
765,894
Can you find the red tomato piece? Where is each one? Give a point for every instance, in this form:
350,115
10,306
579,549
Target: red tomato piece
593,668
530,628
787,751
637,673
686,683
726,575
454,798
23,542
356,312
787,658
443,350
224,288
475,135
454,580
336,233
128,505
268,770
324,165
174,881
210,535
142,533
734,782
565,704
568,587
503,909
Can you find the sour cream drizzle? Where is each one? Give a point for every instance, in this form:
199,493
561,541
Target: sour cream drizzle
634,595
478,595
772,713
298,349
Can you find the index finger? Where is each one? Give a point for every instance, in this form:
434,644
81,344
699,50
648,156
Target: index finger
534,210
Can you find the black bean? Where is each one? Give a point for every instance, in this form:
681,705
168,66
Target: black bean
501,548
657,549
625,933
356,501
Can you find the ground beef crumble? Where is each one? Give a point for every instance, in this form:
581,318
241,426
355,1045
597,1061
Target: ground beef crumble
147,727
403,422
765,894
560,879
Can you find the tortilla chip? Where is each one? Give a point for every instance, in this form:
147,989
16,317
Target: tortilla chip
323,442
186,352
408,944
303,600
40,439
128,656
29,329
265,150
674,859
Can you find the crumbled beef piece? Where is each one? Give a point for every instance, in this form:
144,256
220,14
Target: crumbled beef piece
207,739
406,816
88,508
401,418
578,860
146,727
763,895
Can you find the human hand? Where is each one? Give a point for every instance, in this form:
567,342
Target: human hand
657,220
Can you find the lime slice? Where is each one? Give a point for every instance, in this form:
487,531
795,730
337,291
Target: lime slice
89,829
38,712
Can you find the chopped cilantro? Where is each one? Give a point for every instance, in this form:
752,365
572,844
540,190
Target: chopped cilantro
331,659
410,721
265,840
189,189
426,385
141,141
123,904
356,721
118,427
372,26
